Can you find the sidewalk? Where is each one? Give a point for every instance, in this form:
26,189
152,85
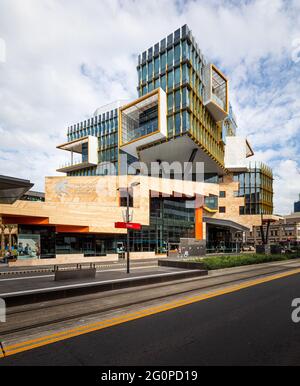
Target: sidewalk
31,289
5,270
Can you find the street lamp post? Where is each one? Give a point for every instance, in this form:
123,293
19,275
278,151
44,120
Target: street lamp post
127,221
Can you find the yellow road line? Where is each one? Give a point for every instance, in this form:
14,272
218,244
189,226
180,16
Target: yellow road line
67,334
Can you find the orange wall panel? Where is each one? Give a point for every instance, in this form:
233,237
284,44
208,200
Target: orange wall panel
199,223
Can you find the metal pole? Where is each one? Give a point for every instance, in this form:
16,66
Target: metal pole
127,220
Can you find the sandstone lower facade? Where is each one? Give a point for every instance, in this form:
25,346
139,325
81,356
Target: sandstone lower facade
79,214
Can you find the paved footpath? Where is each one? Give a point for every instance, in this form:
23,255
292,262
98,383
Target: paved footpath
46,281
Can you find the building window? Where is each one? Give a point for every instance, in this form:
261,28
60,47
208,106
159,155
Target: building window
170,57
144,73
211,202
222,209
177,53
156,66
150,86
222,194
163,62
177,123
156,83
170,80
177,76
242,210
177,100
150,70
170,126
185,97
185,74
185,121
236,193
170,101
163,82
184,46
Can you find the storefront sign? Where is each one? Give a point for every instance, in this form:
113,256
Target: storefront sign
128,225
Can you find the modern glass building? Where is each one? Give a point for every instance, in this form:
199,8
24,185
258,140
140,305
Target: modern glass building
182,115
256,185
297,205
177,65
196,103
105,128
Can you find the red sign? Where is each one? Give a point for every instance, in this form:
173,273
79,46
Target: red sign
128,225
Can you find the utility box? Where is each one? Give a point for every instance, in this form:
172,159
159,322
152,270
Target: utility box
192,247
276,249
264,249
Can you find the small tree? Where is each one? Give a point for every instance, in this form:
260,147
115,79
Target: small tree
2,229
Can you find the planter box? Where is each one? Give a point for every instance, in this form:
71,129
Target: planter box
182,264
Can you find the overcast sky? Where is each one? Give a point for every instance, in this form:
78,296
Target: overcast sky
46,44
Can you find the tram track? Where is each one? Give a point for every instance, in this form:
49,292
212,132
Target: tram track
119,299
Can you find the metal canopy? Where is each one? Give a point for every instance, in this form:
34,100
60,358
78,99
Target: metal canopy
225,223
12,189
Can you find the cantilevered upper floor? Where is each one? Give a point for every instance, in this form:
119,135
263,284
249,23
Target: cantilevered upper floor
183,114
85,150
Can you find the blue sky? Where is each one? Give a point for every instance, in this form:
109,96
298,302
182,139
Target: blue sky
65,58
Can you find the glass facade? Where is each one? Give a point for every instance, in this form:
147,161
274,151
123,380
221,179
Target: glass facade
257,188
53,243
105,127
170,220
178,70
297,206
211,202
136,125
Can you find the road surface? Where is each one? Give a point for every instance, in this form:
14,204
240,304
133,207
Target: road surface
251,326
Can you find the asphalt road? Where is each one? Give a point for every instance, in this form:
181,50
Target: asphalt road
252,326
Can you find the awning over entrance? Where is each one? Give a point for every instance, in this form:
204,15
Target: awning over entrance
12,189
225,223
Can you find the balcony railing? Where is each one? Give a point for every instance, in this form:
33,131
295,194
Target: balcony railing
141,131
72,163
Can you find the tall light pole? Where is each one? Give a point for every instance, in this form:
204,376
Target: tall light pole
127,221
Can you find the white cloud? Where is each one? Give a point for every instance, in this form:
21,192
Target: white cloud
43,89
286,185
